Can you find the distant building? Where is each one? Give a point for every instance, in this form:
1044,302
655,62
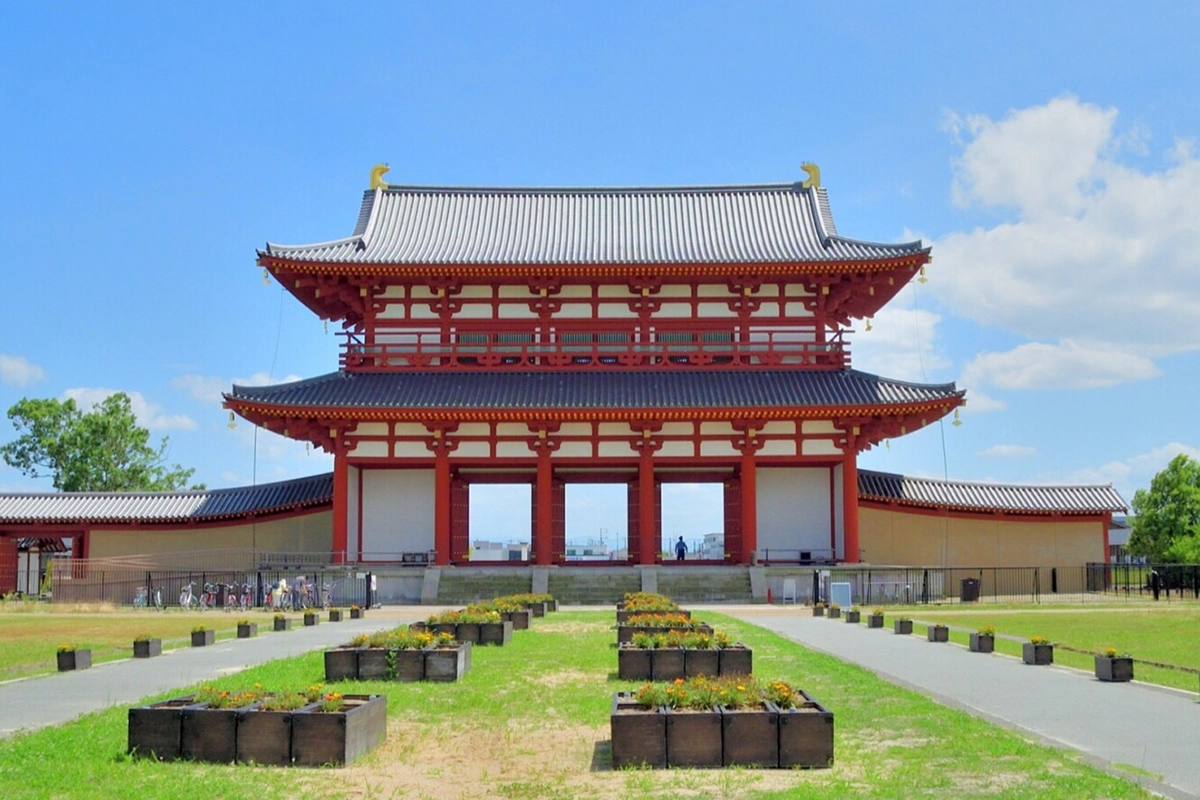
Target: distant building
497,551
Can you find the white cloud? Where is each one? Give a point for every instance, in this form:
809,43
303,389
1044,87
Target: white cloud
1009,451
1068,365
1095,255
978,401
149,415
208,388
901,343
19,371
1136,470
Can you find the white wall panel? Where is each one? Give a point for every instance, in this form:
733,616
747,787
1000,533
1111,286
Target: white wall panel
793,509
397,515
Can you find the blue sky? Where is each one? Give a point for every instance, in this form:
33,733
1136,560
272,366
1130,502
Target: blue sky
1048,154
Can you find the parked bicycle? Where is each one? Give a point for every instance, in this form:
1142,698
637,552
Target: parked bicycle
247,601
187,600
208,598
139,599
231,598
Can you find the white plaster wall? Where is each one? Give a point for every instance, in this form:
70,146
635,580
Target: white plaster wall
397,515
793,508
354,477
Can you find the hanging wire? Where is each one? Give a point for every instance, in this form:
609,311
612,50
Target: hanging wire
925,378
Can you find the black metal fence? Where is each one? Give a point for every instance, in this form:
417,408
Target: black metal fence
878,586
79,582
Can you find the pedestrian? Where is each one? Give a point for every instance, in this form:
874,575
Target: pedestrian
680,549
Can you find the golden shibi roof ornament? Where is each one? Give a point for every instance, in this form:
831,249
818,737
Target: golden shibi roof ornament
377,173
814,176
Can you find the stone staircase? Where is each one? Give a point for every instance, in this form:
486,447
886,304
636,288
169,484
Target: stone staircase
461,585
706,584
593,586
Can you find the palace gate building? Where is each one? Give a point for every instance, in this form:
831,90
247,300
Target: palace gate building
634,336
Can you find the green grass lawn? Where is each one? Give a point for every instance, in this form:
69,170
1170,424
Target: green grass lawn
1166,634
30,639
530,720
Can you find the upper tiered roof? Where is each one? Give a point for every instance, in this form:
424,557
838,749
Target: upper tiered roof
784,224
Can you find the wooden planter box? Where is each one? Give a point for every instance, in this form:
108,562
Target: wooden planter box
902,626
154,730
335,616
284,624
634,663
374,665
338,737
552,605
639,735
667,664
203,638
264,737
875,621
853,616
736,660
938,633
983,643
818,611
499,633
447,663
71,660
1037,654
835,613
806,735
209,734
1117,669
750,737
341,664
537,609
357,613
148,648
310,620
766,737
701,662
467,632
519,619
693,737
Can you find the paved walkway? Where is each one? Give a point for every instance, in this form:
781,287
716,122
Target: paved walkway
61,697
1147,727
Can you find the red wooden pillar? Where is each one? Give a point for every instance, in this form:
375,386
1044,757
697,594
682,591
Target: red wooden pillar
341,509
8,564
441,506
649,538
850,503
543,534
749,509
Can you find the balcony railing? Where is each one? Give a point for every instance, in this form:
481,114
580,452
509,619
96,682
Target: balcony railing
765,350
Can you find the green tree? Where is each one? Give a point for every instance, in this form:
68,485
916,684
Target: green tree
1168,513
102,450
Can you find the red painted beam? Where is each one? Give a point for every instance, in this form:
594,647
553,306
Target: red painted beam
441,508
749,482
543,537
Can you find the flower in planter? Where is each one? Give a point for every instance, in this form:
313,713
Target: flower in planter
877,612
280,616
903,619
986,630
201,628
224,698
731,691
355,608
142,637
331,702
243,623
67,648
1038,640
834,607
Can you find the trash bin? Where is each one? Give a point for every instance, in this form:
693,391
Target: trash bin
970,590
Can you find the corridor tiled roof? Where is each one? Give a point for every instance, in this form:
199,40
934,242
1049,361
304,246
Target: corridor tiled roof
422,225
119,507
596,390
967,496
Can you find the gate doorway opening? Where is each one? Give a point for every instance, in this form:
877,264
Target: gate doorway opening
597,516
500,522
697,512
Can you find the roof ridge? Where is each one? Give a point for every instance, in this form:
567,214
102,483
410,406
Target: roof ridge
964,482
796,186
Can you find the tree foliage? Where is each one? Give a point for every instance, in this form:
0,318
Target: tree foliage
1167,525
102,450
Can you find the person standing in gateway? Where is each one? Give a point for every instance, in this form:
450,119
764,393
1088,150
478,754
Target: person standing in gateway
680,549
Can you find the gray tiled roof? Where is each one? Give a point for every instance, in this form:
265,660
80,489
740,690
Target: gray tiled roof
769,223
966,495
119,507
617,389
